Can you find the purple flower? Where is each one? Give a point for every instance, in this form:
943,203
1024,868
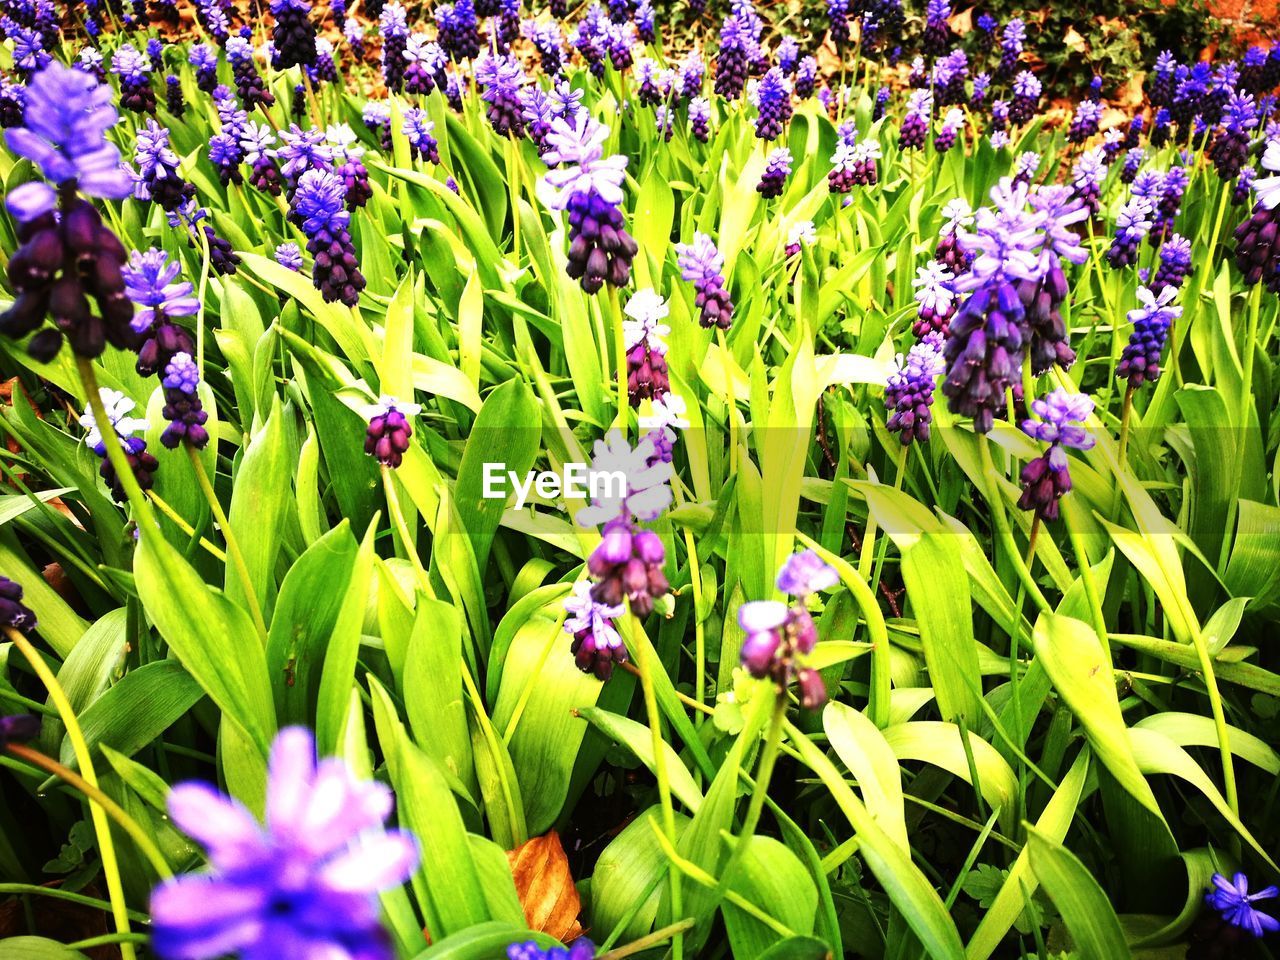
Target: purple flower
1047,478
733,63
1140,359
644,338
909,389
183,408
1233,901
1258,237
915,124
806,77
289,256
13,612
502,77
134,71
303,150
1085,122
701,263
778,638
776,170
389,431
581,949
700,119
418,130
294,38
141,463
936,298
305,882
636,486
1175,263
773,101
320,204
1133,222
804,573
597,645
21,727
158,167
1026,97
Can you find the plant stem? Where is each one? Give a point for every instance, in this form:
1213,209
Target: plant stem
94,793
731,403
1003,530
101,828
233,546
1244,420
764,773
402,528
185,527
651,940
641,651
620,358
114,445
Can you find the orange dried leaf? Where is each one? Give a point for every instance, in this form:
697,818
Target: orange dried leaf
545,886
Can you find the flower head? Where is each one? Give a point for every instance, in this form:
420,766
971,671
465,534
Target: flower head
13,612
320,201
643,491
1232,899
305,882
150,283
805,573
117,407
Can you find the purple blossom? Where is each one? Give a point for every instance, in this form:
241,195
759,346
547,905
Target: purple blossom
1047,478
702,264
910,386
597,645
1233,901
1140,359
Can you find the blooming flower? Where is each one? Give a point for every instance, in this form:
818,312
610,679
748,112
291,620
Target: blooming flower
1046,479
804,573
645,493
597,645
776,170
1140,359
13,612
305,883
1232,899
581,949
387,437
910,386
935,297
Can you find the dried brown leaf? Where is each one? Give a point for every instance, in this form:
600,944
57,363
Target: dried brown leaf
545,886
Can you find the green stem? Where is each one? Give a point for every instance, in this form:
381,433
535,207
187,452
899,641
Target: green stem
233,546
652,940
31,889
764,773
94,793
1244,419
1003,529
641,651
402,530
1090,588
620,358
101,828
185,527
114,444
731,404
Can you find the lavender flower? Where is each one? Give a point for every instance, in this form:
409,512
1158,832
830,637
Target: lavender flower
909,390
937,31
700,119
289,256
1026,97
258,142
303,151
1047,478
1085,122
419,130
502,78
732,65
952,124
307,881
702,264
1230,149
581,949
1244,186
182,407
1132,224
152,282
589,186
158,167
1012,38
1140,360
389,431
1175,263
915,124
806,77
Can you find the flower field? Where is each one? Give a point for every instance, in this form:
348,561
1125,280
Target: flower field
702,480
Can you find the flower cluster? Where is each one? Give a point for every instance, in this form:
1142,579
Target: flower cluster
702,264
141,463
389,431
909,390
1047,478
320,203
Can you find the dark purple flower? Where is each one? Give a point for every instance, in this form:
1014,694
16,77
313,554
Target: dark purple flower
700,119
182,407
733,63
806,77
776,170
1162,79
1047,478
20,727
393,23
158,167
1140,360
773,101
294,37
916,122
581,949
134,71
141,463
702,265
257,141
778,638
1026,97
909,390
205,61
597,646
306,882
458,29
418,130
644,336
1085,122
882,101
13,612
1133,222
1012,38
152,283
935,297
1175,263
589,186
502,77
1230,150
320,203
289,256
390,428
937,31
952,124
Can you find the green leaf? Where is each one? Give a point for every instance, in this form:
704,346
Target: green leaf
862,748
771,877
1086,911
261,496
484,941
637,738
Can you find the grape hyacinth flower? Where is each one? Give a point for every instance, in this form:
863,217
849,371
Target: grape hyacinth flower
788,54
1025,167
205,61
1235,904
17,727
12,102
702,264
458,30
838,21
1175,263
1047,478
662,424
949,77
915,124
419,130
320,203
779,637
348,164
589,186
294,37
182,407
502,77
1162,79
222,258
1132,224
258,142
627,563
986,31
353,33
776,170
1140,360
800,235
806,77
65,259
1243,188
305,882
597,646
142,464
214,19
644,339
158,168
580,949
174,102
91,62
393,24
1169,203
390,429
937,31
155,54
1160,128
700,119
1087,178
952,124
882,101
1258,238
134,72
549,42
1230,150
935,298
249,82
13,612
1085,122
152,283
1059,211
732,65
226,155
981,87
1012,38
773,101
909,389
303,151
1132,164
1026,97
376,115
289,256
955,214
